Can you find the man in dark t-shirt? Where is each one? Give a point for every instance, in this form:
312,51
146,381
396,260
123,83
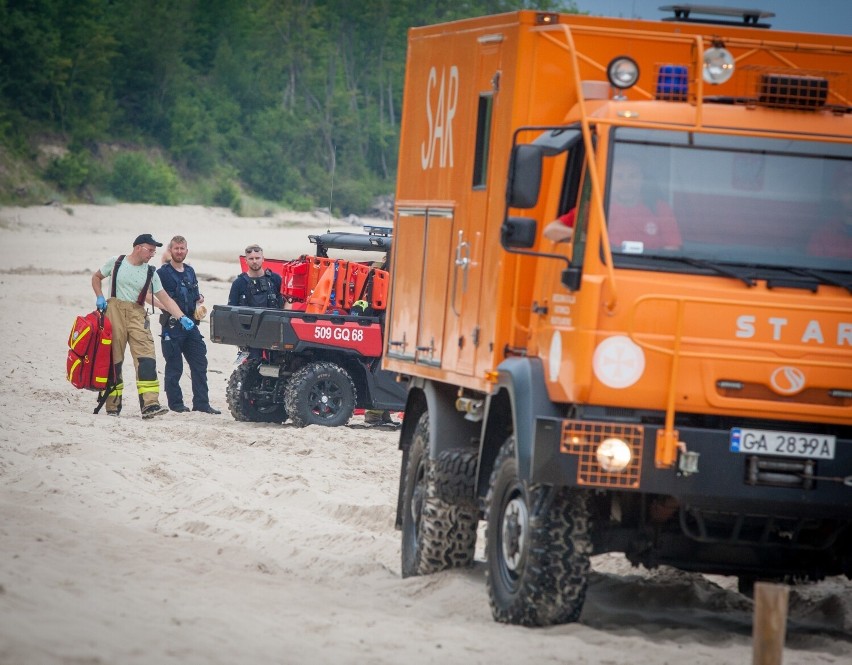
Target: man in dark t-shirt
256,288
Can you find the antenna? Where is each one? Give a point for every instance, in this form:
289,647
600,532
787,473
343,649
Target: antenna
331,193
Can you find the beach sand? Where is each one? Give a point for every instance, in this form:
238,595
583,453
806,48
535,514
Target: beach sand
198,539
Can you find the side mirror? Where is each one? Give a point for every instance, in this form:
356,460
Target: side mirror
518,233
524,176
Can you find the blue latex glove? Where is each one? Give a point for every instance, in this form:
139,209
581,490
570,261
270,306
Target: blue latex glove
187,323
101,304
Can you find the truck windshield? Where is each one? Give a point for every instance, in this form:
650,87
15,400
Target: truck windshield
765,204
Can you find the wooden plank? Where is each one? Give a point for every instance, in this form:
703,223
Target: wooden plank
770,623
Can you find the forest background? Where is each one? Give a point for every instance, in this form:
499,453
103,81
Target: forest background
238,103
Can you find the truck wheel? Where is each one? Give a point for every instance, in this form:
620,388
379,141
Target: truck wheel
537,546
455,476
321,393
249,396
436,534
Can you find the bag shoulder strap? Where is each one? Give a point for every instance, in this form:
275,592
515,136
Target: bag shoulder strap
111,378
108,388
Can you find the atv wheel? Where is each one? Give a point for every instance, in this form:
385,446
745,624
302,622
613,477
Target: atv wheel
251,396
321,393
537,546
436,534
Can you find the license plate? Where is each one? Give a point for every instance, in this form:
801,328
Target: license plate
782,444
241,358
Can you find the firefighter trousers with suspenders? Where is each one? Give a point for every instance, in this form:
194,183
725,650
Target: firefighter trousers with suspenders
131,327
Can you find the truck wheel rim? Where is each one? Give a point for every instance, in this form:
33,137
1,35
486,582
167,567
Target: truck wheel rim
515,524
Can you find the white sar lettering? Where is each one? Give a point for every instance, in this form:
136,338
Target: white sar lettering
441,122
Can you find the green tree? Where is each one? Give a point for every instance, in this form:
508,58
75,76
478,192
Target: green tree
135,178
280,95
55,58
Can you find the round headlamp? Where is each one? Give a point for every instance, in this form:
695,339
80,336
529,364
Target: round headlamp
718,65
622,72
613,455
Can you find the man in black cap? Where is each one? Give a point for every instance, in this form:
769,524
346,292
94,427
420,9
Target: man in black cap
132,280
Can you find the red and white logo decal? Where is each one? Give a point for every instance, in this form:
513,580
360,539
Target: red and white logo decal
618,362
787,380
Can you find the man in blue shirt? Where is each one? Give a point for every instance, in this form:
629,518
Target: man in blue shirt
180,282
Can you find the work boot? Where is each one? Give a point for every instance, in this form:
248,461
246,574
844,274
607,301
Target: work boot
374,417
153,410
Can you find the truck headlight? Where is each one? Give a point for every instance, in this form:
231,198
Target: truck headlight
718,65
622,72
613,455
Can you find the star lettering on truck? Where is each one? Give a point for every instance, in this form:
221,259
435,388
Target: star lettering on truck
813,332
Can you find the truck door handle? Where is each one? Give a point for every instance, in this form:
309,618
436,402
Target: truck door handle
462,262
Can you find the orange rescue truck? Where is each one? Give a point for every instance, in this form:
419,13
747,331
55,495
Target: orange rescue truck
674,382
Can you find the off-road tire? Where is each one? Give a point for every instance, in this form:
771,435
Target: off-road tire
321,393
455,476
537,546
436,534
244,404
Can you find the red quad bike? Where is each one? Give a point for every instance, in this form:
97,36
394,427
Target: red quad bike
320,356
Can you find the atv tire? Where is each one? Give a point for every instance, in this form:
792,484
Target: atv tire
321,393
249,396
